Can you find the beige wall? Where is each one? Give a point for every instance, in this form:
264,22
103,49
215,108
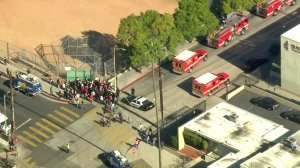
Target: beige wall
290,65
180,137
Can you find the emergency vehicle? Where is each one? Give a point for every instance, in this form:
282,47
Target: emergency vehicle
187,60
235,24
205,84
5,124
272,7
28,84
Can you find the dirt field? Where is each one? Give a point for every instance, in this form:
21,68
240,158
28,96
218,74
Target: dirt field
28,23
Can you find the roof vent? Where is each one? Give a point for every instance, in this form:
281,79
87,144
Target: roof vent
290,142
233,117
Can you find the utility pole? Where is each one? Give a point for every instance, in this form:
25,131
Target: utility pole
157,121
12,105
160,94
115,66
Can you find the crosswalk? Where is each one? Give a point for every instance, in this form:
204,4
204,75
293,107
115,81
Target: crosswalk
42,130
117,134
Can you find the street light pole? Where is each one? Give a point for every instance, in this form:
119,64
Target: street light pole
157,121
161,94
115,72
115,67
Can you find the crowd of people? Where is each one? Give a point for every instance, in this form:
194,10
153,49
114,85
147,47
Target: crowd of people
92,90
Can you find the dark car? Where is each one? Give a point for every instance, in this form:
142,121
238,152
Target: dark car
116,160
292,115
265,102
254,62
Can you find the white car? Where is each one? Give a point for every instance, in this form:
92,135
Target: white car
140,102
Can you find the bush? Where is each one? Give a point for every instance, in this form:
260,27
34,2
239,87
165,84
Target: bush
174,141
192,139
204,144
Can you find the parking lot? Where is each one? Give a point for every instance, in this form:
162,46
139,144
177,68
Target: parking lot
242,100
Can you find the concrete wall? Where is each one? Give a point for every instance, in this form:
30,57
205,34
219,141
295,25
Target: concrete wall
290,65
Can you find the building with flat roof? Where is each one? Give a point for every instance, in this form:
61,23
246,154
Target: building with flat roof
231,133
280,155
290,60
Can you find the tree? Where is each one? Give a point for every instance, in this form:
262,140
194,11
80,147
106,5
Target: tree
148,35
229,6
193,18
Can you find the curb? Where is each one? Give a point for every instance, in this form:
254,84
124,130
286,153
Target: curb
138,79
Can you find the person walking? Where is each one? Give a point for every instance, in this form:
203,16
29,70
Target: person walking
129,120
68,148
141,127
137,143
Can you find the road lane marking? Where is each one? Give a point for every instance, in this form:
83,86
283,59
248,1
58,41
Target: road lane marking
32,136
51,123
23,123
39,132
57,119
45,128
28,163
27,141
63,115
70,112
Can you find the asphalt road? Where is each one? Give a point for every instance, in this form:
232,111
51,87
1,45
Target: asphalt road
37,119
242,100
177,88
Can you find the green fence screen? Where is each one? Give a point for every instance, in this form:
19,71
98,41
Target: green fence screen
79,73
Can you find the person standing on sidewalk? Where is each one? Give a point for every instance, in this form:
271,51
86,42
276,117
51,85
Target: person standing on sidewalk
51,91
28,71
132,91
5,61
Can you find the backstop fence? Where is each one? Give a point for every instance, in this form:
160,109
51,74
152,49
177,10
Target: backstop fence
69,53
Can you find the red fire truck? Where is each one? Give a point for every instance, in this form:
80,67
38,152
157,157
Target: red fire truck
235,24
205,84
272,7
187,60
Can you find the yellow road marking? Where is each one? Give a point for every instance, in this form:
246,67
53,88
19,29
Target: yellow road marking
70,112
51,123
27,159
45,128
27,141
27,163
121,129
32,136
57,119
63,115
39,132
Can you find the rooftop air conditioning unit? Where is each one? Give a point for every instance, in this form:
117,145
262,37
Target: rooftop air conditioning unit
233,117
290,142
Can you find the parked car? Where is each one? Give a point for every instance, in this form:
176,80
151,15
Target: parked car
292,115
116,160
140,102
265,102
254,63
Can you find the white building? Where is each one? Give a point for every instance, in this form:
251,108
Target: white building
290,60
277,156
232,133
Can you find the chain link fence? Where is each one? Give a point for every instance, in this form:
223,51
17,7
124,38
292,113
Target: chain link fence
88,53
